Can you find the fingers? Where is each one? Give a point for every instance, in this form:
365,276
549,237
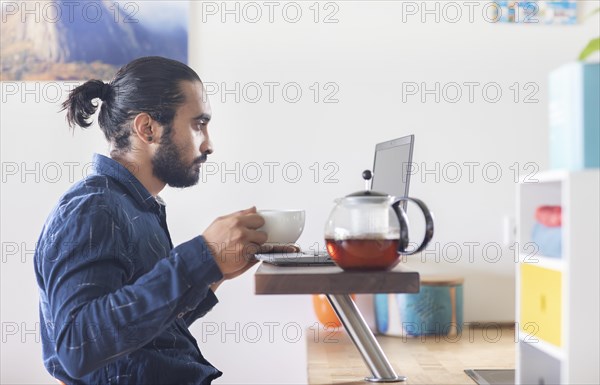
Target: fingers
286,249
251,210
265,249
282,248
252,221
257,237
248,218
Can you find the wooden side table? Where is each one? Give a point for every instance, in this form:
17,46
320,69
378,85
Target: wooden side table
338,284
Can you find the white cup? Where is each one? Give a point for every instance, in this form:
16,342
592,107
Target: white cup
282,226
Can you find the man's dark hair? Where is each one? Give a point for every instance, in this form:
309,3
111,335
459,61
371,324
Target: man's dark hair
148,84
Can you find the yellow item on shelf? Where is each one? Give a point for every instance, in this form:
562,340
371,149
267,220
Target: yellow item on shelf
541,303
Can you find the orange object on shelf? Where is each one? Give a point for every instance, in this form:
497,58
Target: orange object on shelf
325,313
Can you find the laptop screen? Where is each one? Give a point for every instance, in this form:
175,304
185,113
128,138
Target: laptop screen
391,167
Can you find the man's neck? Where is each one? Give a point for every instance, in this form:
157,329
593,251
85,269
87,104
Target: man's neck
141,168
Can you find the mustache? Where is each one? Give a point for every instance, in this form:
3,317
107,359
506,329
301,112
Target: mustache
201,159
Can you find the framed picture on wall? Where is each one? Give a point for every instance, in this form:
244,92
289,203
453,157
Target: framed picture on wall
537,12
69,40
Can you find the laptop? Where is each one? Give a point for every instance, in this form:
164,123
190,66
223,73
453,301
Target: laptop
391,175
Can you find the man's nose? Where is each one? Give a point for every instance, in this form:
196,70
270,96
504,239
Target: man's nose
206,147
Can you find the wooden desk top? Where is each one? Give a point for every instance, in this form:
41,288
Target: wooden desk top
333,358
271,279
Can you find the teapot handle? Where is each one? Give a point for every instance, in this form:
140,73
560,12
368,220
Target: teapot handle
403,244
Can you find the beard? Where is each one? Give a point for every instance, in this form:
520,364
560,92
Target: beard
168,165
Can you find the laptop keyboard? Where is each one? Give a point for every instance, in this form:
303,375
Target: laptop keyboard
321,255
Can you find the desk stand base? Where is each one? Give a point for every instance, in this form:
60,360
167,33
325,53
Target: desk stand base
364,339
397,379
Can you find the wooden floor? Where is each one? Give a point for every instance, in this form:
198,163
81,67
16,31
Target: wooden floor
423,360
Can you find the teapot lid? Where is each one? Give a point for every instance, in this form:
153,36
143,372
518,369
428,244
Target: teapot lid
367,192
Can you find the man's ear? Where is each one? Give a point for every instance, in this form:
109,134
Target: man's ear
146,129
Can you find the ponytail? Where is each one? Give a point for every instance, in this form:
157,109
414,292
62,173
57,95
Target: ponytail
80,105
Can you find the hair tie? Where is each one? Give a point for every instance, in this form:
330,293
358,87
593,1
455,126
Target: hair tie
105,91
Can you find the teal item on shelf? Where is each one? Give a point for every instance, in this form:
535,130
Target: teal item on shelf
382,315
575,117
436,310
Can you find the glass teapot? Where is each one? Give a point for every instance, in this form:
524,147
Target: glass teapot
368,230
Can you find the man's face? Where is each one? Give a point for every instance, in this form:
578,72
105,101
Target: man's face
179,156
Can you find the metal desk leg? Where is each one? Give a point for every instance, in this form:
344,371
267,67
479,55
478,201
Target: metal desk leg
364,339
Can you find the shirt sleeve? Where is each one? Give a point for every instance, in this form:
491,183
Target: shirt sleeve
97,314
203,307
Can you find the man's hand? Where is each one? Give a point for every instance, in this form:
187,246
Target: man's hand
233,241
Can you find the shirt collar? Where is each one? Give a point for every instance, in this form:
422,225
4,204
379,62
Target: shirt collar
104,165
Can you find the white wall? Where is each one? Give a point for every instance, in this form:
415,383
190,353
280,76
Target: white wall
369,53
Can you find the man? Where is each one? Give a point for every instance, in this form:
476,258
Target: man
116,298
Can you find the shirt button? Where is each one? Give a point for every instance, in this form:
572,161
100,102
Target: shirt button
180,315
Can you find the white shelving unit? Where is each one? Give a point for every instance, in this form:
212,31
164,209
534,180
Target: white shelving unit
558,299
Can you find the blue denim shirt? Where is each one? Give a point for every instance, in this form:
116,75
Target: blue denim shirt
116,299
